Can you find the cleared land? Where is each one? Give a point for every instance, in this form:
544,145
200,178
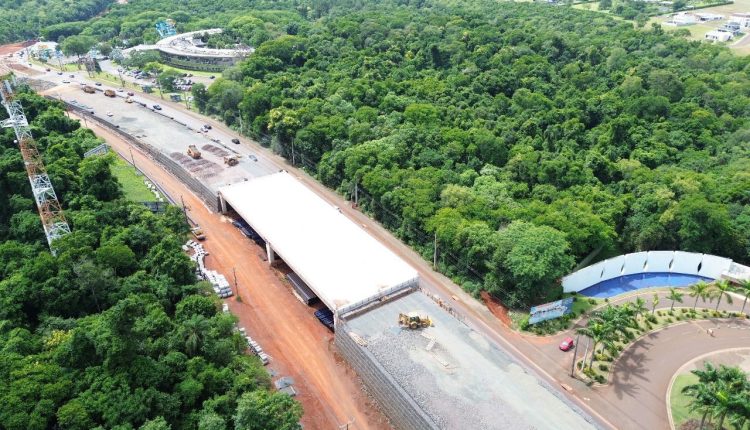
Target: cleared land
698,31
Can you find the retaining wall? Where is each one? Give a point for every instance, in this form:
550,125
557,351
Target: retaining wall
396,403
201,190
678,262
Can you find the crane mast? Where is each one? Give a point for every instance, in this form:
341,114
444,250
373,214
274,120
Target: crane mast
50,211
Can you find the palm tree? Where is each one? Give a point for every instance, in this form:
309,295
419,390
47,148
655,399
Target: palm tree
744,288
702,392
599,331
639,307
194,331
654,303
702,400
699,290
720,289
674,295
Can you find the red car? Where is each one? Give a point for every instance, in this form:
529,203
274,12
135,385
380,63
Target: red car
567,344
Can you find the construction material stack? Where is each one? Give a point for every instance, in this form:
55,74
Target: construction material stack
219,283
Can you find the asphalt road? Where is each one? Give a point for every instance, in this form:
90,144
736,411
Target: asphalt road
642,375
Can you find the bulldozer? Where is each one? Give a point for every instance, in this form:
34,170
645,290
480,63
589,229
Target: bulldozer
194,152
414,321
231,160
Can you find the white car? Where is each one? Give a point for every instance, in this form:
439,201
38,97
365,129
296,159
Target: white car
225,308
109,114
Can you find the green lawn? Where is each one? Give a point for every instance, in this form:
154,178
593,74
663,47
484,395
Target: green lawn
679,402
132,182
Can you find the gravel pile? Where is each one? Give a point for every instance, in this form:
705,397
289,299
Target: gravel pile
403,354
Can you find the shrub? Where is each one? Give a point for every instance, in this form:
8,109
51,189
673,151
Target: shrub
603,367
524,323
601,379
678,318
660,313
684,311
592,301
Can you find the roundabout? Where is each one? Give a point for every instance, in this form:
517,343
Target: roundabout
678,403
641,377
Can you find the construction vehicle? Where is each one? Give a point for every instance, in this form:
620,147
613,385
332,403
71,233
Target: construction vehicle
193,152
109,93
231,160
414,321
198,233
89,89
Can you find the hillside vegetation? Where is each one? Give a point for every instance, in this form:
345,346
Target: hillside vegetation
523,137
113,332
519,137
24,19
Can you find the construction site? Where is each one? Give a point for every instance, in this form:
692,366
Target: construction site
420,362
445,375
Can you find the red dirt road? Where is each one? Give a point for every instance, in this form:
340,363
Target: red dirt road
298,344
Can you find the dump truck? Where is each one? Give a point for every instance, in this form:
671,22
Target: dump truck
231,160
194,152
89,89
109,93
413,321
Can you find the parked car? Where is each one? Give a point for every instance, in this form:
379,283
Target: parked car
252,157
65,81
98,84
71,76
157,107
567,344
59,73
131,94
236,141
109,114
47,69
207,126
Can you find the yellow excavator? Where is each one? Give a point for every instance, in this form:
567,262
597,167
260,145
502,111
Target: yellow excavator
413,321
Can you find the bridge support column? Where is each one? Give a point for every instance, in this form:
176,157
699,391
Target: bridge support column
271,253
222,204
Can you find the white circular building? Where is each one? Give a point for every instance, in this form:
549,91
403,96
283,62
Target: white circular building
188,51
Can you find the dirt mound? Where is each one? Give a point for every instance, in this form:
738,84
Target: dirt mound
496,307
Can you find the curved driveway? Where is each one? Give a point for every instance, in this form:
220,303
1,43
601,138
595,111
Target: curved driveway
641,376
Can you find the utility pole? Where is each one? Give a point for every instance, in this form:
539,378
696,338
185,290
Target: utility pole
356,194
242,127
434,254
59,97
575,353
184,210
236,288
293,163
346,425
132,159
122,81
187,103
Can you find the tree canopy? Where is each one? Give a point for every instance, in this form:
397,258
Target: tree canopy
113,331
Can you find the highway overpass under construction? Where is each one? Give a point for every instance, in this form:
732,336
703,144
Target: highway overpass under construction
345,266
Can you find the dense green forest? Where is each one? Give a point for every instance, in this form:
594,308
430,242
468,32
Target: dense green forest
521,137
524,137
113,332
24,19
